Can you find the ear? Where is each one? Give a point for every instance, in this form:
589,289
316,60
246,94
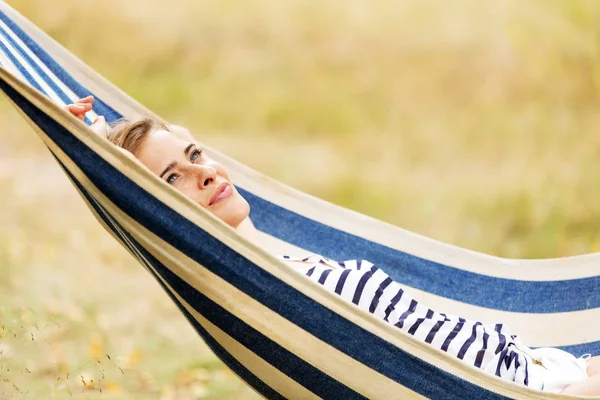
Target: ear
181,131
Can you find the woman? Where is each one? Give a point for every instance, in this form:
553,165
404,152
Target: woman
172,154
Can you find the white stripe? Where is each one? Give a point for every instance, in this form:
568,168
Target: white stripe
31,72
9,65
219,231
371,289
443,333
535,330
471,353
461,338
68,92
492,344
317,209
403,240
350,285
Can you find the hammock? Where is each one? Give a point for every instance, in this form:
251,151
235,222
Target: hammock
284,335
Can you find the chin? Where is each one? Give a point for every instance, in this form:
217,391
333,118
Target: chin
237,210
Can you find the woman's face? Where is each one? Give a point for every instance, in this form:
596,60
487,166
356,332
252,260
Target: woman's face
184,165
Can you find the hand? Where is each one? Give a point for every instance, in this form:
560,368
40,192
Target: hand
81,107
100,127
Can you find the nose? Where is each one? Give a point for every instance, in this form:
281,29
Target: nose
204,174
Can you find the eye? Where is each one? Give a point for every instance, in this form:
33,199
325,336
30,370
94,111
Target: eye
195,154
172,178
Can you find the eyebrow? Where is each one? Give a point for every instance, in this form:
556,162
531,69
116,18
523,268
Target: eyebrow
172,164
169,167
187,149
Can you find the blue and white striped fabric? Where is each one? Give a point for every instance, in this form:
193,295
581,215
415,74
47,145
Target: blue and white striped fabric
488,346
286,336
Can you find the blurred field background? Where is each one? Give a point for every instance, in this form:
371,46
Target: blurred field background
472,122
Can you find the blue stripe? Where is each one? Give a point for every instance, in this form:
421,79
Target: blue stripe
361,286
393,304
442,280
453,334
436,329
465,347
340,284
36,67
324,276
100,107
136,249
31,80
500,360
415,326
468,287
405,314
481,352
501,338
214,313
526,380
386,282
382,356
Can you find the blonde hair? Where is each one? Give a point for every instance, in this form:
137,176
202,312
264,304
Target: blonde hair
130,135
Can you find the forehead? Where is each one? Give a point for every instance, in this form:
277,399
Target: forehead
161,148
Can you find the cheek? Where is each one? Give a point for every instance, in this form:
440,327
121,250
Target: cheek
191,190
234,211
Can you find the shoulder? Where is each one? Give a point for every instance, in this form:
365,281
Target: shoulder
317,259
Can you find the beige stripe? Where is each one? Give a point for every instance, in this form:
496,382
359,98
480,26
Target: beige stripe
244,307
226,235
270,375
403,240
228,297
281,247
332,215
278,329
276,379
536,330
231,299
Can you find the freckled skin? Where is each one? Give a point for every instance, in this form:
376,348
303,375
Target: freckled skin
195,175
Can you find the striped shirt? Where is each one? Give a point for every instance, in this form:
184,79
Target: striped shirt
489,347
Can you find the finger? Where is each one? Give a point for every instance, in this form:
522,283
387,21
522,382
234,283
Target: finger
76,108
88,99
78,111
86,106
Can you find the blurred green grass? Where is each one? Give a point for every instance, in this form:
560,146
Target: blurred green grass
472,122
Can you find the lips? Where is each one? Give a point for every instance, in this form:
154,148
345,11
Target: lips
222,192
